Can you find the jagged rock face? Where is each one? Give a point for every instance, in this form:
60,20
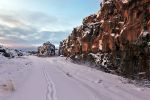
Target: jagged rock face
120,28
46,50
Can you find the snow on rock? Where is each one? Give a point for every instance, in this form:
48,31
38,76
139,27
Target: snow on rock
48,49
122,28
10,53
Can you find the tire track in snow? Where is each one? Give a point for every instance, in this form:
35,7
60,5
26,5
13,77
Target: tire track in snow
108,88
96,94
87,86
51,92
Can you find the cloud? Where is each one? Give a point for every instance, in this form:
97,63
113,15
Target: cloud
31,28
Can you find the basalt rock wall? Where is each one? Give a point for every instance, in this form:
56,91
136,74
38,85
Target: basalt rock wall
120,29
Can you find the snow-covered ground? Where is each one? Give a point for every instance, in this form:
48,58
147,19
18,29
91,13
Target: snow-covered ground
13,73
55,78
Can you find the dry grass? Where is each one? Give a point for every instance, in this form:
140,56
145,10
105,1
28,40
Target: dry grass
8,86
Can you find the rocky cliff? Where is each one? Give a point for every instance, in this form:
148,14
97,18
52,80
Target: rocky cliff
116,38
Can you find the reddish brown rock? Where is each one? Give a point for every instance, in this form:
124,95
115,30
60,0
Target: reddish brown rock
121,28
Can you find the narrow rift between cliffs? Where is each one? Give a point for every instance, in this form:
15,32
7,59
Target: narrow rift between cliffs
116,39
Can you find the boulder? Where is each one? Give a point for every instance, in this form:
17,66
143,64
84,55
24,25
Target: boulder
48,49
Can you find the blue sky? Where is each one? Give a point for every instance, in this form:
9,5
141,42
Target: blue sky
27,23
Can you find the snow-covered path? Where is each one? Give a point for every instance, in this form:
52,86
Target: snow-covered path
57,79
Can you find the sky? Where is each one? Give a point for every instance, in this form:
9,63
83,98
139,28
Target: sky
28,23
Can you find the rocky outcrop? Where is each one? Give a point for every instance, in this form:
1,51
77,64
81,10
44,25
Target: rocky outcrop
10,53
48,49
121,29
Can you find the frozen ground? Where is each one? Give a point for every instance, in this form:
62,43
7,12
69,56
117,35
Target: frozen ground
34,78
